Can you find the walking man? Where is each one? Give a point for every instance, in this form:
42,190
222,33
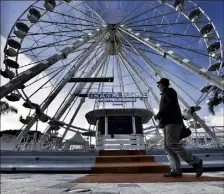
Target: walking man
170,118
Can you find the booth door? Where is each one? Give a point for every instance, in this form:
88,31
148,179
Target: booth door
120,125
101,126
138,125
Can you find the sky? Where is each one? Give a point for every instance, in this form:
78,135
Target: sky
11,10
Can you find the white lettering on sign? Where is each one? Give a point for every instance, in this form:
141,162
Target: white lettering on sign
117,100
96,95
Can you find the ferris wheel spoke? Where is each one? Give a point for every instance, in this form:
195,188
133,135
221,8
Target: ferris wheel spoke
153,18
213,79
91,17
160,75
137,72
32,63
160,24
34,40
148,106
63,35
180,88
180,78
146,71
55,33
79,19
146,60
63,23
153,67
46,75
187,106
62,84
181,47
30,73
48,45
48,33
78,89
34,56
58,12
141,49
82,100
57,72
39,61
137,43
95,12
151,9
120,78
69,109
173,34
58,83
131,12
99,88
66,25
72,119
24,50
102,85
74,60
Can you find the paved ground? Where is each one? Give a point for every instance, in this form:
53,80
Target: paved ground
61,183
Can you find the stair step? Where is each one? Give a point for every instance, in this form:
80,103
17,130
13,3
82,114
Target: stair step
122,159
126,162
121,152
152,167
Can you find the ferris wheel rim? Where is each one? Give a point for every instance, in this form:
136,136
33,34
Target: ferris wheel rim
17,69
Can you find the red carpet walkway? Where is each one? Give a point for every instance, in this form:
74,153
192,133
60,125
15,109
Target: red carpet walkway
141,178
132,166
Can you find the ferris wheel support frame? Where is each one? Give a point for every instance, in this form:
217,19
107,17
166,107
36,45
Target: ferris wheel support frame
80,86
128,67
95,13
101,60
40,67
63,83
135,70
202,72
82,100
196,117
148,106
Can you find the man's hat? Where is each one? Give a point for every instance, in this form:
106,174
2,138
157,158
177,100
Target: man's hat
164,81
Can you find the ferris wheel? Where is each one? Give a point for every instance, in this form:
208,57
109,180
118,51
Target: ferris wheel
130,44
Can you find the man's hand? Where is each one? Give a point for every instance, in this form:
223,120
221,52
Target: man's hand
156,117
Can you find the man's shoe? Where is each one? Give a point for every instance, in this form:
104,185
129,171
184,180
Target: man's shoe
173,174
199,168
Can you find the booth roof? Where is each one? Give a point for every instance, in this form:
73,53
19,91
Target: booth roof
77,139
94,115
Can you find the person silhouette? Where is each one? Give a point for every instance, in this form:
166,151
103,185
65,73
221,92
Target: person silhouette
170,118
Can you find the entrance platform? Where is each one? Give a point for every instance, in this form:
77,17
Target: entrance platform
81,162
110,172
69,183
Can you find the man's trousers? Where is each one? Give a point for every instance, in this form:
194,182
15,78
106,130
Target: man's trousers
174,149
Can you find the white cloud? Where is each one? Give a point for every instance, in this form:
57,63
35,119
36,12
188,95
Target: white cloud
156,110
11,121
217,119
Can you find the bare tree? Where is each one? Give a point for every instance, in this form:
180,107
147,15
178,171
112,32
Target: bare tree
6,108
217,99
